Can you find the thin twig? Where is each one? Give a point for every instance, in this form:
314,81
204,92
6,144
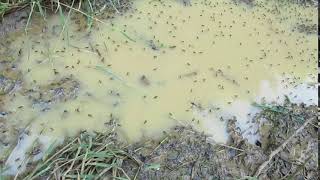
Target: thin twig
276,151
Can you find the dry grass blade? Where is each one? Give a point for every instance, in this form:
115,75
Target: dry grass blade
89,156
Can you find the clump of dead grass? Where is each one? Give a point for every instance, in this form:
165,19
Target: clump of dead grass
88,156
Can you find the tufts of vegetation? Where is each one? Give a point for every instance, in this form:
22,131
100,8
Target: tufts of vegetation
88,8
101,155
88,156
41,6
289,138
9,6
184,152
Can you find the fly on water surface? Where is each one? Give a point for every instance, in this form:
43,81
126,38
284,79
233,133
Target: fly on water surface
159,89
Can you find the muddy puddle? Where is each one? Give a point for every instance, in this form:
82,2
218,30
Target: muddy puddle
160,64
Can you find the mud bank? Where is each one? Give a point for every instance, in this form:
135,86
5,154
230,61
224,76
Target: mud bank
220,68
288,149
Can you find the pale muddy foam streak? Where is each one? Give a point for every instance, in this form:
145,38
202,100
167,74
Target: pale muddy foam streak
160,65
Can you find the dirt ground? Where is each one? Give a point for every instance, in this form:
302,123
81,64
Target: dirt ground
288,148
14,22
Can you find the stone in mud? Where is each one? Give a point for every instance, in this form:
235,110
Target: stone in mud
58,91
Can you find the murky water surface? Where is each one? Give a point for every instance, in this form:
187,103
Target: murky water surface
159,65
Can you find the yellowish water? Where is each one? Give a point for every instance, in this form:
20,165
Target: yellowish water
191,57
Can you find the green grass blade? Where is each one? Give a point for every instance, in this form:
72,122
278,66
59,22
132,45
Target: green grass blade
49,151
131,39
